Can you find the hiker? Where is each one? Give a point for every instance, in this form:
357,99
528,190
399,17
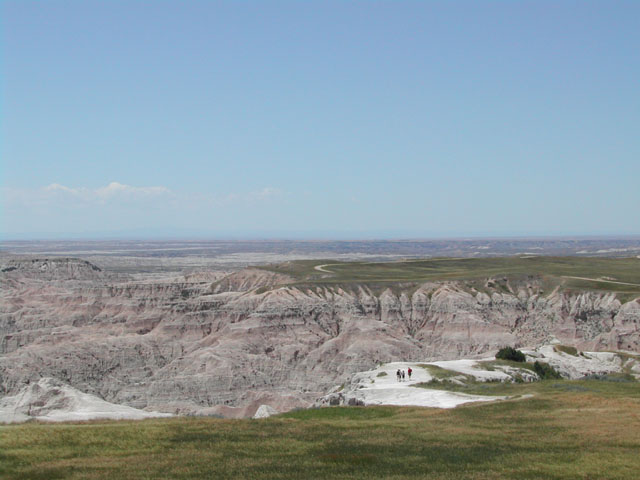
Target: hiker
403,375
398,374
409,372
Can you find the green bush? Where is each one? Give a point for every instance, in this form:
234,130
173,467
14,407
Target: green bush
545,371
510,353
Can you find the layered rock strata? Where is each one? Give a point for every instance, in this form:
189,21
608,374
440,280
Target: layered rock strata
186,344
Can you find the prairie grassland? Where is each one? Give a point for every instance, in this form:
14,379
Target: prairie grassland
567,430
620,275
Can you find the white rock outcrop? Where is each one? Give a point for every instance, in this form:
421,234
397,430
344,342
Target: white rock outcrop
265,411
381,386
53,401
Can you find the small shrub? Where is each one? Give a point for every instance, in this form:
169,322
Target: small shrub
382,374
510,353
545,371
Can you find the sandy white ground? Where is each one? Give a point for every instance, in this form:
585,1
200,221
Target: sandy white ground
387,390
381,387
54,401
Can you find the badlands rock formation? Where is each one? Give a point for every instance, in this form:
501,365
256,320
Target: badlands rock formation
53,401
188,344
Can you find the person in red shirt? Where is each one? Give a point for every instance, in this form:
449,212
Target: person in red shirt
409,372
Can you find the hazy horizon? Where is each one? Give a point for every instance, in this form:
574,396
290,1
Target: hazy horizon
295,237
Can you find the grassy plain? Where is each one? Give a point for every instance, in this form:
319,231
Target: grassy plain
620,275
567,430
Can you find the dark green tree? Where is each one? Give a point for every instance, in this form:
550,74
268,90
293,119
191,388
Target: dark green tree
510,353
546,371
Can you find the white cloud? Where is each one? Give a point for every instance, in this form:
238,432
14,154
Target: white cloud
117,206
56,187
237,198
114,190
265,194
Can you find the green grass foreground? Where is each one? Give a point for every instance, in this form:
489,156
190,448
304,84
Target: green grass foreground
568,430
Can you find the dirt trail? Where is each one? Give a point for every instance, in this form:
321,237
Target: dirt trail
321,268
601,280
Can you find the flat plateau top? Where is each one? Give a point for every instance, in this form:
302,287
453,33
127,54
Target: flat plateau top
620,275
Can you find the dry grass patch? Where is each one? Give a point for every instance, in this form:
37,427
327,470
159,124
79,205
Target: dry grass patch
569,350
588,429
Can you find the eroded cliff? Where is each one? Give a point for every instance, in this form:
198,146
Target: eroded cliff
187,344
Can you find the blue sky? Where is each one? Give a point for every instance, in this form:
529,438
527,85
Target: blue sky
320,119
